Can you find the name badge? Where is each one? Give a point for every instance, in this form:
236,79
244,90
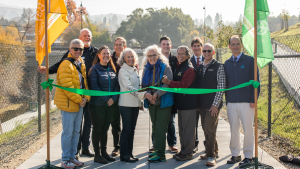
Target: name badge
210,70
179,73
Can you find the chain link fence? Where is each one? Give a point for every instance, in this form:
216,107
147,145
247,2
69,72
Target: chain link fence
22,100
279,99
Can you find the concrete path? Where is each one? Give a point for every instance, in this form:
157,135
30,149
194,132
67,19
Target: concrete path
141,146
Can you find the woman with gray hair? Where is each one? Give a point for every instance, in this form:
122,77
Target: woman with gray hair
160,105
129,103
186,104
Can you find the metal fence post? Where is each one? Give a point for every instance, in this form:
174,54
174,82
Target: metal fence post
39,102
270,100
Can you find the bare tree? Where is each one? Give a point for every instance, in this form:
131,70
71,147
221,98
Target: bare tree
25,23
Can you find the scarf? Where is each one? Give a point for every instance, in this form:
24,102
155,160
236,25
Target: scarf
148,75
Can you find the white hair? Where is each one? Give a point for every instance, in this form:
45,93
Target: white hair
85,29
162,57
121,59
76,41
210,45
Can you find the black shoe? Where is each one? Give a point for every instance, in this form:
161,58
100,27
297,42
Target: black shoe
115,152
87,152
133,157
204,142
99,159
107,157
246,161
127,159
234,159
195,150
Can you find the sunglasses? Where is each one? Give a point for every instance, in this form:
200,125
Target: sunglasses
208,51
76,49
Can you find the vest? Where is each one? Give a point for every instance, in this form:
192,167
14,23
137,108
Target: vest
209,81
184,101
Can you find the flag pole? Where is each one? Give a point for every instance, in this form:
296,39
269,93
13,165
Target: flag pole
47,77
255,79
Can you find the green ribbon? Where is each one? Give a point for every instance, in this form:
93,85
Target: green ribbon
49,84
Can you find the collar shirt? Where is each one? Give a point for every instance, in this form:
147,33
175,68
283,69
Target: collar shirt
200,59
238,57
221,79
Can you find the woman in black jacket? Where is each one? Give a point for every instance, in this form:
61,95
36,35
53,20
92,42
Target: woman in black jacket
102,77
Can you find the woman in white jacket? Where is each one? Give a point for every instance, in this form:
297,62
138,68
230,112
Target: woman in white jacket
129,103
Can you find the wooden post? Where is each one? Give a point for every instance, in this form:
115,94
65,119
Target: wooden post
255,79
47,77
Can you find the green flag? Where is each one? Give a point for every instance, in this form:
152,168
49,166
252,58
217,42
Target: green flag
264,46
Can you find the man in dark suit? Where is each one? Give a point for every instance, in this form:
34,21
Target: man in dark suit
196,60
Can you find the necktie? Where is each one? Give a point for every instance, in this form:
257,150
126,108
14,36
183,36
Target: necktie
234,59
198,63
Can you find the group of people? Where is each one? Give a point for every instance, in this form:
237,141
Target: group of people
86,67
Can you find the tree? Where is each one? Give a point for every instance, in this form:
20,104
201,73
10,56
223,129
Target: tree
285,17
74,13
216,21
209,22
146,28
25,24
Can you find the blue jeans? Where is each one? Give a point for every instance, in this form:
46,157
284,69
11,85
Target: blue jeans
85,132
171,136
129,117
71,122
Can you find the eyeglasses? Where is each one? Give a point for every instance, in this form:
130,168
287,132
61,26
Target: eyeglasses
152,56
76,49
208,51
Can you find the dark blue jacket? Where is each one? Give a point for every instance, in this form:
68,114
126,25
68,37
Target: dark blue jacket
237,73
102,79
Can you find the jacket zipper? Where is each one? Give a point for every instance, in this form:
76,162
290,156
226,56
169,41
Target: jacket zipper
108,78
235,80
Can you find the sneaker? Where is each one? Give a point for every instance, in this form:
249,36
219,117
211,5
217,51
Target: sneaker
67,164
211,161
173,149
152,149
204,157
152,154
156,159
76,162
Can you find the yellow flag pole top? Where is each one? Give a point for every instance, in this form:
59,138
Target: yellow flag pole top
57,23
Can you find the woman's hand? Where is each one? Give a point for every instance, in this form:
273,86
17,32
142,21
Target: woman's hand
110,102
148,96
82,104
154,97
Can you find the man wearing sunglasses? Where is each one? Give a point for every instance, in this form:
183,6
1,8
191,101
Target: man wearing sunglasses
210,75
89,53
197,59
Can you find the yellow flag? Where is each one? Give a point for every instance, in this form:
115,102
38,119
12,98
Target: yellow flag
57,23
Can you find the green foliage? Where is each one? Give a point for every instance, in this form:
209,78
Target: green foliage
147,27
224,32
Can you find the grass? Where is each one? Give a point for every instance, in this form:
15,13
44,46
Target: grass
290,37
287,120
21,129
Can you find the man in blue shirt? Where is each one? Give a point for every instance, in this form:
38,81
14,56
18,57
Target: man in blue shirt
240,102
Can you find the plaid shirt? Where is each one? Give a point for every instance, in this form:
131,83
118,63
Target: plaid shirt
221,79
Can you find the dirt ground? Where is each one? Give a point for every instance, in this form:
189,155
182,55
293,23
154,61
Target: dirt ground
274,146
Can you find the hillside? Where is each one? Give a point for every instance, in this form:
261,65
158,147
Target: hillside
293,30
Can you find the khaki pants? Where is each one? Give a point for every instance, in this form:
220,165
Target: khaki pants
241,113
187,130
209,125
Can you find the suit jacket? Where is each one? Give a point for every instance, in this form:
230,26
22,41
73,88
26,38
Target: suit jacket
193,60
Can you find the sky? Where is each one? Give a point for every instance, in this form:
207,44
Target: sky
230,9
